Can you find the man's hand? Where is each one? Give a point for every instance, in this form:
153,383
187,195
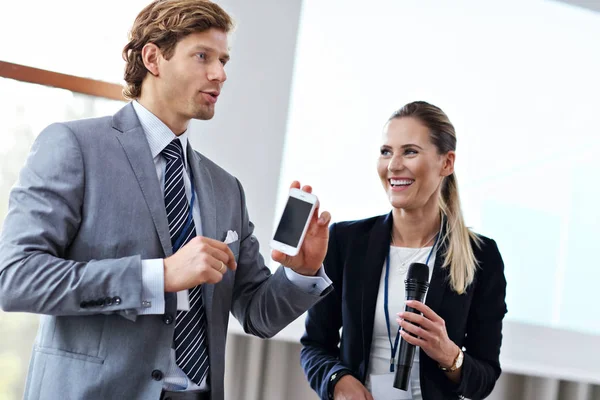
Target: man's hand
350,388
312,253
201,260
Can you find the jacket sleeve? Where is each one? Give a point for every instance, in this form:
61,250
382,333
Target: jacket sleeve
481,365
320,354
263,303
44,215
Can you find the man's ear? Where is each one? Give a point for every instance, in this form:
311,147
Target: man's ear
448,166
150,56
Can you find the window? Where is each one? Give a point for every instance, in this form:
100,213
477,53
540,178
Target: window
27,110
61,68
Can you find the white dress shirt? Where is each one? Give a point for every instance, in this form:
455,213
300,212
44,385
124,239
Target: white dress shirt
159,136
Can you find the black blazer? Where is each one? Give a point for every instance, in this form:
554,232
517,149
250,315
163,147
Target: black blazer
354,262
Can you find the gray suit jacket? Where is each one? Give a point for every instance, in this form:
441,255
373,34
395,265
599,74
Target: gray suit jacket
85,211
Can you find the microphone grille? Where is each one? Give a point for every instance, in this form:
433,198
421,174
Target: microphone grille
418,272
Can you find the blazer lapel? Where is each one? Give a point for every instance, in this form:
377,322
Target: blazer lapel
205,192
134,143
208,215
377,251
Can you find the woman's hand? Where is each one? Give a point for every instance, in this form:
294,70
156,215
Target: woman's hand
350,388
431,331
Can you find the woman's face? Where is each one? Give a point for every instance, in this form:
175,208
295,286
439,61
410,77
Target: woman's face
409,166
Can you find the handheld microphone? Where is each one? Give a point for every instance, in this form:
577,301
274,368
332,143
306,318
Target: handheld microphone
416,284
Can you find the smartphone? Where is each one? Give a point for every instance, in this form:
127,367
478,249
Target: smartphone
294,222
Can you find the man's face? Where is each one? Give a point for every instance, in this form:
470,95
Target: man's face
191,80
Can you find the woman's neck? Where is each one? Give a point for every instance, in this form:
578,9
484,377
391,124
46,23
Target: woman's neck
415,228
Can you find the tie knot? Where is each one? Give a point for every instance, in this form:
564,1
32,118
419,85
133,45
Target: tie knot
173,151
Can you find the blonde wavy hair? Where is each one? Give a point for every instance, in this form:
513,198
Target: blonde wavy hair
165,23
459,255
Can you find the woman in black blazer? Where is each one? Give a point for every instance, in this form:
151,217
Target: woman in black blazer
460,331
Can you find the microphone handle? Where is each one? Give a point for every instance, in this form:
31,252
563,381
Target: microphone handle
406,353
413,310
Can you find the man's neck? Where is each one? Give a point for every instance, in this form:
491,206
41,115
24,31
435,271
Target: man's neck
176,124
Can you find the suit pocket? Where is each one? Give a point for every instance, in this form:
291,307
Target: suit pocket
235,248
69,354
58,374
79,335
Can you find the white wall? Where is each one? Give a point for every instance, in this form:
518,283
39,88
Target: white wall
589,4
247,137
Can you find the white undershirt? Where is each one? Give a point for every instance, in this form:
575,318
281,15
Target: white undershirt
379,362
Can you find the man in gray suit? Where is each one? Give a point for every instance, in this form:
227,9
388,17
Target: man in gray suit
134,247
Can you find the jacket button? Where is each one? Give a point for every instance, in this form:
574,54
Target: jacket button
157,375
117,300
108,301
168,319
100,302
83,304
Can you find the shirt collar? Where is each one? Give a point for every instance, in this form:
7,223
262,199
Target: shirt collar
157,133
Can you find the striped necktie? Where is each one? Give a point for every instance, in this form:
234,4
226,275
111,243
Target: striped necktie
191,349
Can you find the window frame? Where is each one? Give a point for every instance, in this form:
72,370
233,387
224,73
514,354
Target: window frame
73,83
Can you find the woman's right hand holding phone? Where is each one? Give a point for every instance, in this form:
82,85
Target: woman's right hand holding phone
350,388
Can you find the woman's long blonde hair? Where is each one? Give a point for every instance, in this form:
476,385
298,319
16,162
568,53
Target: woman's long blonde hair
459,255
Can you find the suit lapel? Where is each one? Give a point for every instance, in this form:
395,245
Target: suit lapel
208,215
134,143
205,192
377,251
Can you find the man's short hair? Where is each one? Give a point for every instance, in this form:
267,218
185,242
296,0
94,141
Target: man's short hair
165,23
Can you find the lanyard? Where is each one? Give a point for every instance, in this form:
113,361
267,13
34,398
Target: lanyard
189,218
394,347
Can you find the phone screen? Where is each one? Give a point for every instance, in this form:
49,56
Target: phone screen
292,221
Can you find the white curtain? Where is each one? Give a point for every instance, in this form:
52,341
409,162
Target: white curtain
270,370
